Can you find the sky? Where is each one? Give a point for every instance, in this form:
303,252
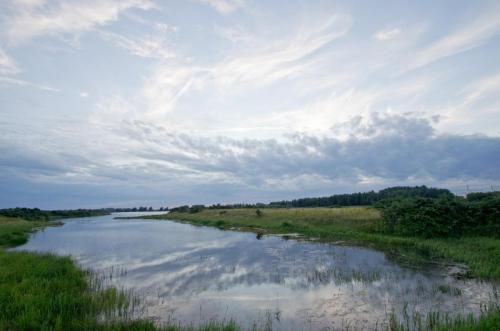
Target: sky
161,103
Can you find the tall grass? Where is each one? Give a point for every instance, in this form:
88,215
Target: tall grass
15,231
48,292
358,225
489,319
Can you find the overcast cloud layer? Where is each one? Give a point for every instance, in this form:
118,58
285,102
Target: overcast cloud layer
123,103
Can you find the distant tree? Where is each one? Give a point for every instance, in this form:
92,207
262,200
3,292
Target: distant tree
196,208
181,209
259,213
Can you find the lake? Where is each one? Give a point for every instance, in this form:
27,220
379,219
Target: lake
189,274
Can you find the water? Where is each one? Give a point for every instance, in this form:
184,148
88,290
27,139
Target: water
189,274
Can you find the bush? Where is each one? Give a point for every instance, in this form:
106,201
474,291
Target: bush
426,217
196,208
485,214
181,209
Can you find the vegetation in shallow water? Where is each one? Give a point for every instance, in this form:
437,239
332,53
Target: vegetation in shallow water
363,225
48,292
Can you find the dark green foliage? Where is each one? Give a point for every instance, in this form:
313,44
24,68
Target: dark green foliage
485,213
186,209
35,214
478,196
30,214
365,198
259,213
442,217
180,209
196,208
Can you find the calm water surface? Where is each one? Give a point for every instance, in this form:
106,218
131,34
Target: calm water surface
184,273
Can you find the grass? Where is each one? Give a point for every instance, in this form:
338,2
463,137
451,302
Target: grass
48,292
435,321
363,225
15,231
357,225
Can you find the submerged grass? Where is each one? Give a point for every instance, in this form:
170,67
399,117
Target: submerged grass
436,321
364,225
48,292
359,225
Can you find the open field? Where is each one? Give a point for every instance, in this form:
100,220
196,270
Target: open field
358,225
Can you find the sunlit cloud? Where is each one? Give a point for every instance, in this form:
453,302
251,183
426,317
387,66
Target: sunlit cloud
37,18
223,6
229,101
470,36
387,34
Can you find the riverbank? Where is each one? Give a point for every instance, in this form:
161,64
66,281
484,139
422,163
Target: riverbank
49,292
355,225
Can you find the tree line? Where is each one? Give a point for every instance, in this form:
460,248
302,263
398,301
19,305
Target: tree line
36,214
364,198
336,200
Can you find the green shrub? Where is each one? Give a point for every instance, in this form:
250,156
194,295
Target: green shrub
485,214
196,208
426,217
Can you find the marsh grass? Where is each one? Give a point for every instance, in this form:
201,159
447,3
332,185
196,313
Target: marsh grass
489,319
355,225
15,231
49,292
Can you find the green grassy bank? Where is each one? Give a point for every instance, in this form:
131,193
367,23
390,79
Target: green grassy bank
48,292
358,225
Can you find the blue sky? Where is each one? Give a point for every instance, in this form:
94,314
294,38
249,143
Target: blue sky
143,102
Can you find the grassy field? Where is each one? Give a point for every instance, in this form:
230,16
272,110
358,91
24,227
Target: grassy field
358,225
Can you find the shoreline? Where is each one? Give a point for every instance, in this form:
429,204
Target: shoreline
480,254
82,306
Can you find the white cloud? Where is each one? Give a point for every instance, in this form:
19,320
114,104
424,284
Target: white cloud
254,66
9,71
10,81
7,64
266,64
387,34
482,88
470,36
84,94
145,46
29,21
224,6
474,108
